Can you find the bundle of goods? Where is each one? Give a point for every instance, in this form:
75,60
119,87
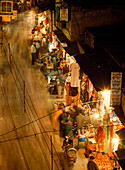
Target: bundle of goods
100,138
103,162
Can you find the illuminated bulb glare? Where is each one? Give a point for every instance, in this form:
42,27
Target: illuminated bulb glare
96,115
106,96
115,142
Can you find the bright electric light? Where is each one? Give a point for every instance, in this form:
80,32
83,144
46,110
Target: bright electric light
115,141
106,96
96,115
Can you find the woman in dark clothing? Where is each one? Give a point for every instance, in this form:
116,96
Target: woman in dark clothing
62,126
91,164
67,121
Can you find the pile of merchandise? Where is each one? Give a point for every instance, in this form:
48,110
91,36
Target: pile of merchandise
103,162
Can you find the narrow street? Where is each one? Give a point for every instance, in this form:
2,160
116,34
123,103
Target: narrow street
19,111
24,104
62,85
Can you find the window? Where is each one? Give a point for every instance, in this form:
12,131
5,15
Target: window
6,6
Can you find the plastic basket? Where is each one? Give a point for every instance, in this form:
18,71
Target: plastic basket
82,138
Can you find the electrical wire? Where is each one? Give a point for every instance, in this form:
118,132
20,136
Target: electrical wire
9,110
26,136
41,118
40,147
52,131
40,122
36,120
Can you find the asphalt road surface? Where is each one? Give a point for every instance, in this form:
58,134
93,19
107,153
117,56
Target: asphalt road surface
25,126
25,106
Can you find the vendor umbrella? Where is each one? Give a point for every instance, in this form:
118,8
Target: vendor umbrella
121,134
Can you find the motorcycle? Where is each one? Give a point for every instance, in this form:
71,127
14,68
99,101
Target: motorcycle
69,151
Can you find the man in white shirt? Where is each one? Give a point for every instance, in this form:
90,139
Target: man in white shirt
37,49
33,52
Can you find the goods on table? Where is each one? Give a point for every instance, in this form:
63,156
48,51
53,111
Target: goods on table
103,162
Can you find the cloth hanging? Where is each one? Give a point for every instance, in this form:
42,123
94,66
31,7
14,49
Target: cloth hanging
75,73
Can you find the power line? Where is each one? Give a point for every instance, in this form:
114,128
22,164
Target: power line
17,138
40,118
31,111
51,131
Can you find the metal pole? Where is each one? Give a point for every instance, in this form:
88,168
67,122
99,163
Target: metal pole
24,98
51,153
1,32
9,55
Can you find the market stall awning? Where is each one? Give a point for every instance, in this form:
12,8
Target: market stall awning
72,49
121,134
61,36
119,112
98,66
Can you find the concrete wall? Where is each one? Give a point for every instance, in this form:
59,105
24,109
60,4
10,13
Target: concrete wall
80,19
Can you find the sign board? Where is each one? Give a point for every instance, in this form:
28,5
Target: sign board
14,12
116,82
64,15
6,18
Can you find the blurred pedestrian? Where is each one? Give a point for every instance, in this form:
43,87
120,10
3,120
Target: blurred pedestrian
33,52
43,69
37,49
91,164
61,85
79,122
56,115
62,126
54,62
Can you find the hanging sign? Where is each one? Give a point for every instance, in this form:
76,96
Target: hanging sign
64,15
116,81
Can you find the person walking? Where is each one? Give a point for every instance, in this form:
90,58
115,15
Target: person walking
33,52
54,62
91,164
79,122
43,69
